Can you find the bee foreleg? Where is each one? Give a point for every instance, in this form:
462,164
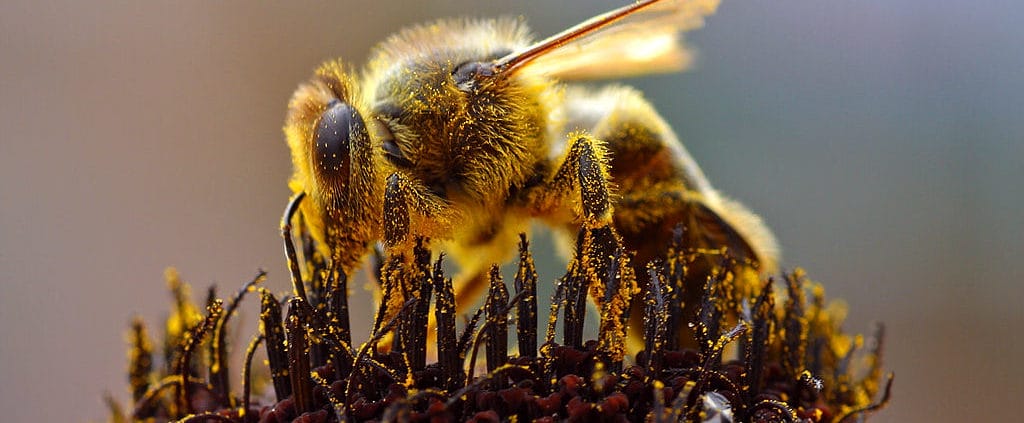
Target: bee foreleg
396,212
410,208
289,243
411,215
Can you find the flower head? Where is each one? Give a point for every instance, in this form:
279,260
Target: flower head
738,349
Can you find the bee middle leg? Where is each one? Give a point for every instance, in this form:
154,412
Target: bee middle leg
577,198
580,184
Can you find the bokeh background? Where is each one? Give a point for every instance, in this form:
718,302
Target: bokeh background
882,140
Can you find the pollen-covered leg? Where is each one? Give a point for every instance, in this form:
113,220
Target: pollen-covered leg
581,184
411,209
410,213
396,212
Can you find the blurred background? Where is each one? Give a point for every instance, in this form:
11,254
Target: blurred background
882,141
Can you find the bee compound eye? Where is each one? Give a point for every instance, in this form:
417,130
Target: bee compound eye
332,140
467,74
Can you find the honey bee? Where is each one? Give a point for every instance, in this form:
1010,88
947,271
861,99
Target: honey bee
466,131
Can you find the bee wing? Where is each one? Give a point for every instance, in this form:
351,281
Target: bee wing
642,38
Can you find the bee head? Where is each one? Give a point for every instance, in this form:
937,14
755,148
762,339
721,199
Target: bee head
465,133
333,157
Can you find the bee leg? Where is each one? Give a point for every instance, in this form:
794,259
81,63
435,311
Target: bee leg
289,244
396,212
410,208
601,260
593,181
585,168
394,284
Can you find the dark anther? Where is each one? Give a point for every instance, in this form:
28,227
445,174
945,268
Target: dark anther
526,310
277,355
298,358
497,333
218,371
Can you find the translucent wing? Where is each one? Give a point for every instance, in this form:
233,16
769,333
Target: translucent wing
642,38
